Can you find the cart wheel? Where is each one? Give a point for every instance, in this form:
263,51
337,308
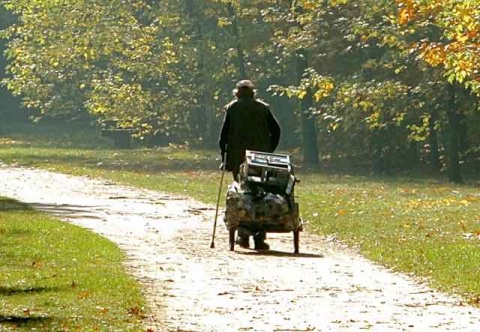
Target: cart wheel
231,238
296,241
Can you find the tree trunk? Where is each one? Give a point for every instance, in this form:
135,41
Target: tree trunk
463,144
9,106
433,141
199,119
377,150
236,34
307,120
454,117
412,155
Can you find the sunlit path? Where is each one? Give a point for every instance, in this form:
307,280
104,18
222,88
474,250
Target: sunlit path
191,287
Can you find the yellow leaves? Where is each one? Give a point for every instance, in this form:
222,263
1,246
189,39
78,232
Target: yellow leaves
223,22
37,265
464,202
9,141
405,15
436,203
390,40
313,83
373,121
324,87
341,212
364,38
103,310
462,38
472,198
89,54
434,54
301,94
136,311
458,25
319,86
84,295
335,3
309,4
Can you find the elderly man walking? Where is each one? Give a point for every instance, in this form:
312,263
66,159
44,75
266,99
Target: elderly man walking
248,125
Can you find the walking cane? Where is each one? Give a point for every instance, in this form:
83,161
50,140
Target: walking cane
224,162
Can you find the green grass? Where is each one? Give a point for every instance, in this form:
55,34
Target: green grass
421,226
55,276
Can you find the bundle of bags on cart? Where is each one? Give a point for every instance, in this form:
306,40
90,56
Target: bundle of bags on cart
260,207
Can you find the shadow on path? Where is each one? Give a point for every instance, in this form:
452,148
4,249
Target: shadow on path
67,210
277,253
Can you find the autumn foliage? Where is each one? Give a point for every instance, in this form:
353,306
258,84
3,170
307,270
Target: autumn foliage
457,48
371,80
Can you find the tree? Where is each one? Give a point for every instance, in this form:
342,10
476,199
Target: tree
454,48
368,81
8,106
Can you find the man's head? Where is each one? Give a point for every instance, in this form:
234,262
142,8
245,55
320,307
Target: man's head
244,88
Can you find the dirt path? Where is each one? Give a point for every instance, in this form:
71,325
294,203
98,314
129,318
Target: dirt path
191,287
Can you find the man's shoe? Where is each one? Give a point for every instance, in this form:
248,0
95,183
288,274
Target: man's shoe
243,241
261,245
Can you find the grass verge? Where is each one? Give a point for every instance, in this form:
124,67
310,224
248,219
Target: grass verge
425,227
55,276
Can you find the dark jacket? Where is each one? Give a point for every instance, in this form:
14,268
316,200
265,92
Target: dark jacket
248,125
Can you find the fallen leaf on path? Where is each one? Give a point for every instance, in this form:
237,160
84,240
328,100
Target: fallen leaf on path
135,311
224,293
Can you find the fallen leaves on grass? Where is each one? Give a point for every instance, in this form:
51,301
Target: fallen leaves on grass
341,212
37,265
136,311
103,310
84,294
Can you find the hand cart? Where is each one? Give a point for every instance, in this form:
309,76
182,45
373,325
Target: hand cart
263,199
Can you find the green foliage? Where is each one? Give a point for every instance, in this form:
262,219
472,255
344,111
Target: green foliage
165,70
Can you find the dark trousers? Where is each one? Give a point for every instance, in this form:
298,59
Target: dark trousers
235,172
257,238
260,236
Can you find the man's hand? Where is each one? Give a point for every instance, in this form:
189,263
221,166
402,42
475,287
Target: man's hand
222,165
